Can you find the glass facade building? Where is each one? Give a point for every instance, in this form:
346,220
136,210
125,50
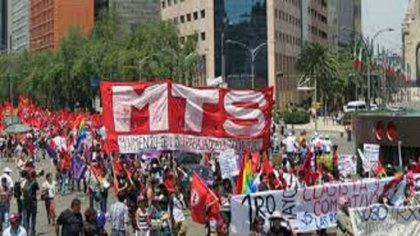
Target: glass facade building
241,26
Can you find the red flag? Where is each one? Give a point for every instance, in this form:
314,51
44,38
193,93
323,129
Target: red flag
267,168
201,198
358,62
254,162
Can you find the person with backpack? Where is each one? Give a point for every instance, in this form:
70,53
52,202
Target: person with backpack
29,190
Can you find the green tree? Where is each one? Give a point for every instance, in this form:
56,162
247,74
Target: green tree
317,63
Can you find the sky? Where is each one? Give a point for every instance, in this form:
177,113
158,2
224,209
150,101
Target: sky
382,14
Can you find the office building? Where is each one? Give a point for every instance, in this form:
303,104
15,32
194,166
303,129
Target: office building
19,33
349,22
50,20
411,40
132,13
4,25
229,30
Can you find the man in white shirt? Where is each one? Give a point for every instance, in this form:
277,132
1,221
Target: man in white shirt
6,174
327,144
14,229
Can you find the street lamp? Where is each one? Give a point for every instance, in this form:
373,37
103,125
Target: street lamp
370,54
253,52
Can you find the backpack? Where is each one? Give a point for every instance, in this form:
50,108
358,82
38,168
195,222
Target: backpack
17,190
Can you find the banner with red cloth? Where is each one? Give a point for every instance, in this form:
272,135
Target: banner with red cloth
167,116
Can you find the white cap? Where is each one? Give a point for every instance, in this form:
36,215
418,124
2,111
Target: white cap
327,137
7,170
276,215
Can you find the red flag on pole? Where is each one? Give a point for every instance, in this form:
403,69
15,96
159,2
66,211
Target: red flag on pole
201,198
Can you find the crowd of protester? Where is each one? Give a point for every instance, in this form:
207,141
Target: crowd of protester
147,188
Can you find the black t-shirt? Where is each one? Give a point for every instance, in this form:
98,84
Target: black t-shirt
72,223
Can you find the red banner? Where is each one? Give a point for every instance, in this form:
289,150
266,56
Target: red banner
167,116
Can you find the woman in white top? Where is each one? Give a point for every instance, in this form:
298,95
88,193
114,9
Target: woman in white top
49,189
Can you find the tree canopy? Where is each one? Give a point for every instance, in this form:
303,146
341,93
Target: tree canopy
68,75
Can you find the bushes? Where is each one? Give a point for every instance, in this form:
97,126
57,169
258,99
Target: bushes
295,117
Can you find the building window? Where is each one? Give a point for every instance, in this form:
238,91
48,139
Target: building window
188,17
203,14
175,1
169,3
195,14
203,36
176,20
182,19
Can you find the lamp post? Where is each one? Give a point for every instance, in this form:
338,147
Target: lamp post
370,55
253,52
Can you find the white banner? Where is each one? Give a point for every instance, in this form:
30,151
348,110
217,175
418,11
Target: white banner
228,165
307,209
347,165
371,152
383,220
139,143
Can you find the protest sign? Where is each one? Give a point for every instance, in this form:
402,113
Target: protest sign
163,115
307,209
371,152
381,219
347,165
228,165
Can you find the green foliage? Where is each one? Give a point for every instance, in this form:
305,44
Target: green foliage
294,117
61,78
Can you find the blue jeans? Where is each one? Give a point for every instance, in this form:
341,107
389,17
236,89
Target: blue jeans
117,232
4,216
63,183
29,220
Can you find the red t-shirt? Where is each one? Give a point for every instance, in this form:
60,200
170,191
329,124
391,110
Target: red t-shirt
335,160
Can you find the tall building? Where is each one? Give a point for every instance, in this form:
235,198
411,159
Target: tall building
284,46
132,13
411,39
19,33
248,43
252,43
315,26
51,19
4,25
349,21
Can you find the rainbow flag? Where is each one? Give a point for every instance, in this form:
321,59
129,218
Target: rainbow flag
245,182
81,134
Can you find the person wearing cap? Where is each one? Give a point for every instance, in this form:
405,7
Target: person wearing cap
344,225
6,174
276,227
15,229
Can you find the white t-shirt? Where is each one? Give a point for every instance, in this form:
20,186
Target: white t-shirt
327,145
9,180
52,188
178,209
20,232
290,143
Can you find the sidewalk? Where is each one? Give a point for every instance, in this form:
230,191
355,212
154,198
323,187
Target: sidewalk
323,126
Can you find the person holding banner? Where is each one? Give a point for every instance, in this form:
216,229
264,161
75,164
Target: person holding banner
276,227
